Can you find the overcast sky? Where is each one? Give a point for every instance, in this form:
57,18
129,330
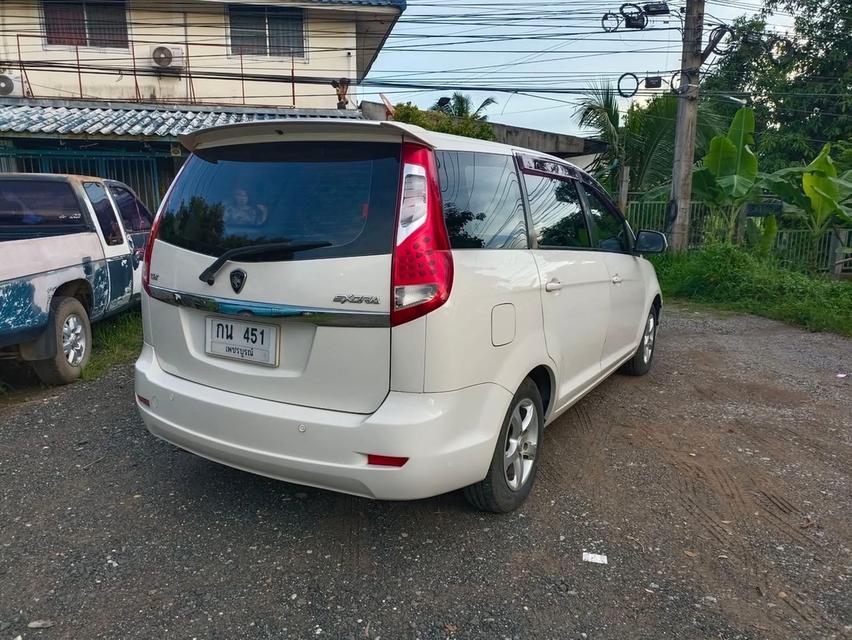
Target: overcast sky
558,44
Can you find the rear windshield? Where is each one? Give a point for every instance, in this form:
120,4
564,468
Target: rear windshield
341,193
30,208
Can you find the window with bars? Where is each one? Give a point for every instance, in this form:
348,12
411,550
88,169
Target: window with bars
267,31
90,23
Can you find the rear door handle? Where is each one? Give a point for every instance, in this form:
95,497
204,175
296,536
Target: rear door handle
617,279
553,285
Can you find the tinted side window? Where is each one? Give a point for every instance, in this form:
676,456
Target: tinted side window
39,204
483,207
557,213
134,215
104,213
609,231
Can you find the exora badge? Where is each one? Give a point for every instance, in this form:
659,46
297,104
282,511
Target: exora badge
238,280
350,299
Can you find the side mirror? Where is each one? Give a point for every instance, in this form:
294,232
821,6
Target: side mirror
650,242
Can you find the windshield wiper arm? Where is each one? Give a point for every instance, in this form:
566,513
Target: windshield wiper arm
209,274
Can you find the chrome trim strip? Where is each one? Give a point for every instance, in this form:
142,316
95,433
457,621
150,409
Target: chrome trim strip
247,309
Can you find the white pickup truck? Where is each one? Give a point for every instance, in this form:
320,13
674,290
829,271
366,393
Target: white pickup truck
70,248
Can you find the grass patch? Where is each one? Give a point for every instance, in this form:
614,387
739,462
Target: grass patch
116,340
734,279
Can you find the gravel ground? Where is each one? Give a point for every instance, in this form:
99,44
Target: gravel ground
717,487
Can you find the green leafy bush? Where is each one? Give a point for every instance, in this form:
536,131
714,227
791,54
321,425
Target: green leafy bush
735,279
443,123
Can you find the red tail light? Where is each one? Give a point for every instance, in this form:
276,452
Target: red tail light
149,249
422,272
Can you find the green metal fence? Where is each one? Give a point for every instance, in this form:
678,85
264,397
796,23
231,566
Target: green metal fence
652,215
794,248
137,170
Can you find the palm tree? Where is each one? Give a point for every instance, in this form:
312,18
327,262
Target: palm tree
641,138
461,106
598,110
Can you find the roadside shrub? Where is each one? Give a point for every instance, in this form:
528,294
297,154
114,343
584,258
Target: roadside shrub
443,123
735,279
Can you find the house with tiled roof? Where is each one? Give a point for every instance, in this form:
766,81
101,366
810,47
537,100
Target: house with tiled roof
105,86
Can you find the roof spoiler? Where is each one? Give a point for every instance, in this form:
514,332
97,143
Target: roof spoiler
287,129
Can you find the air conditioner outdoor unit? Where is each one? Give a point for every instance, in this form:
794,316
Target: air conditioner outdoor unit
11,85
167,57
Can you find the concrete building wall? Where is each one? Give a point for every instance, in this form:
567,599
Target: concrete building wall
201,26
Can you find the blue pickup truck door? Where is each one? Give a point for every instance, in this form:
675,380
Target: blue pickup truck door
137,222
116,247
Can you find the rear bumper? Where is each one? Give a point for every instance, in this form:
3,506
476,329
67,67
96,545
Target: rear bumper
449,438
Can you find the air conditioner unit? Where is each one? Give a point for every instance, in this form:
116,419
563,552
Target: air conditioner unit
167,57
11,85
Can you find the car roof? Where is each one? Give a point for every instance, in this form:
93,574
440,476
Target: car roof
52,177
270,130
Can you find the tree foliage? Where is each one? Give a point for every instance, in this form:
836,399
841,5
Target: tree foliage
461,106
800,88
641,138
443,122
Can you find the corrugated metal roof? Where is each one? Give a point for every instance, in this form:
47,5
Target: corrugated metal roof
140,120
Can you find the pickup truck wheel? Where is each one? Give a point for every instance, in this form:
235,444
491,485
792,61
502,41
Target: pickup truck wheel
516,456
640,363
73,342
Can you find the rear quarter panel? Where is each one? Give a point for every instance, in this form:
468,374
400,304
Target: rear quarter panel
32,270
460,350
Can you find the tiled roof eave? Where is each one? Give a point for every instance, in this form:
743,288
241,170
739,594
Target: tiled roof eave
136,121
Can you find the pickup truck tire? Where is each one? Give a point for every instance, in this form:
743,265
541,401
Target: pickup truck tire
73,333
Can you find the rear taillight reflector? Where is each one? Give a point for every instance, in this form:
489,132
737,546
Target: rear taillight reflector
422,261
385,461
143,401
149,250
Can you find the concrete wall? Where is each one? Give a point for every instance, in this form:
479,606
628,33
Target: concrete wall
331,41
557,144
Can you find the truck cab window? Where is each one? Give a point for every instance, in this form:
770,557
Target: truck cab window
107,219
133,213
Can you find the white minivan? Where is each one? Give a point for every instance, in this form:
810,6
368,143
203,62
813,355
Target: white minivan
382,310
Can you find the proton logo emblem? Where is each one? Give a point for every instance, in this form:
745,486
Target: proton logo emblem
238,280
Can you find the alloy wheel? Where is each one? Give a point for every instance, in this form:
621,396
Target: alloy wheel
521,444
73,340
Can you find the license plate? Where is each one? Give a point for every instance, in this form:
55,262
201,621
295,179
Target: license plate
239,340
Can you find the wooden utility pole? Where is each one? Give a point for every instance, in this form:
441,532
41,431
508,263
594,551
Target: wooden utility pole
623,187
687,119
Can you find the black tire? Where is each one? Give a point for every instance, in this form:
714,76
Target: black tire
58,369
495,493
639,364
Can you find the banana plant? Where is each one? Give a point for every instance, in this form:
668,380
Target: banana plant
726,179
815,195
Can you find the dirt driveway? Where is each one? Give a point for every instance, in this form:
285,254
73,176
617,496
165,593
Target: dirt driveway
718,488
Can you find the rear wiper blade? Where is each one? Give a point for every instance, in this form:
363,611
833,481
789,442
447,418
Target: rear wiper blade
209,274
